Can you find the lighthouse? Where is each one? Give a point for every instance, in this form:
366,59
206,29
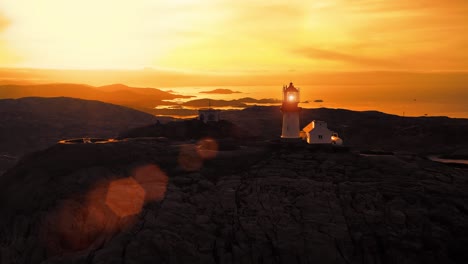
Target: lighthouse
291,112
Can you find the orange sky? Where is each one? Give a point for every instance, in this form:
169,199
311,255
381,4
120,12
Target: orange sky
243,36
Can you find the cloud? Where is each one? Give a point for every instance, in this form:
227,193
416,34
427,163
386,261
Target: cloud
330,55
390,35
397,6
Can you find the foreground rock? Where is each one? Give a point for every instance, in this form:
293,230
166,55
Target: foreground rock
245,206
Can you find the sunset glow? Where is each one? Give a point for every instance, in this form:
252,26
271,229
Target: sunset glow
400,57
241,36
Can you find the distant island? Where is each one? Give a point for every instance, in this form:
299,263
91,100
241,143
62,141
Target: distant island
240,103
220,91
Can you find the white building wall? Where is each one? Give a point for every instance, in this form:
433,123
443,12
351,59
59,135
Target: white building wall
319,136
291,126
319,133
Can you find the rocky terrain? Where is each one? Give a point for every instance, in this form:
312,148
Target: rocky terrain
365,130
30,124
188,192
146,201
188,129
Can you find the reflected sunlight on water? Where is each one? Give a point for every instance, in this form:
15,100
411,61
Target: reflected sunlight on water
410,101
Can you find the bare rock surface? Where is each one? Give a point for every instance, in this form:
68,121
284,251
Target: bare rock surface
247,206
33,123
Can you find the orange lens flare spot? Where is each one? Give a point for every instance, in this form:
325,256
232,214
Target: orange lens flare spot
109,206
77,226
207,148
189,159
78,223
153,180
125,197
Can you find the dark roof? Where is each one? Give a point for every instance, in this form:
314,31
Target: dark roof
291,88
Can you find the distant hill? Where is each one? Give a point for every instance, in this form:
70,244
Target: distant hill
28,124
188,130
362,130
220,91
369,129
116,94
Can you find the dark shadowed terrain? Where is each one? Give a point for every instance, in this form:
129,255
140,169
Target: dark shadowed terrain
144,201
229,192
364,130
29,124
360,130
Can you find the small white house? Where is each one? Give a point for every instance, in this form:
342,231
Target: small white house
317,132
208,115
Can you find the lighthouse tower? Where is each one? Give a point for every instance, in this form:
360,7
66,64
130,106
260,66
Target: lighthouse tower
291,112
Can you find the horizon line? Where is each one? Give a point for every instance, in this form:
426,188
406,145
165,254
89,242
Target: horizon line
209,72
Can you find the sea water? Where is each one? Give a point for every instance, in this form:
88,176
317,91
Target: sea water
417,101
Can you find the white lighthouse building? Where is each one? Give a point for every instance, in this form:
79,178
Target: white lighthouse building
317,132
291,111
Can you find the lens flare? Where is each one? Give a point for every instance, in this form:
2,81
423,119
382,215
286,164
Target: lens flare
80,222
86,221
189,159
207,148
125,197
153,180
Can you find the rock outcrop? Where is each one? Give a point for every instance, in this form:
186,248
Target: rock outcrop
364,130
252,205
29,124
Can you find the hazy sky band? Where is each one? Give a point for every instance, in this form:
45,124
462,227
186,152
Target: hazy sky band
235,36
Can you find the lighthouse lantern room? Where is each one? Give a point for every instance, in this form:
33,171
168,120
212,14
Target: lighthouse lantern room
291,111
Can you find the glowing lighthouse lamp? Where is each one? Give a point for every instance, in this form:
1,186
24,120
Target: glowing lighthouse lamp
291,111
